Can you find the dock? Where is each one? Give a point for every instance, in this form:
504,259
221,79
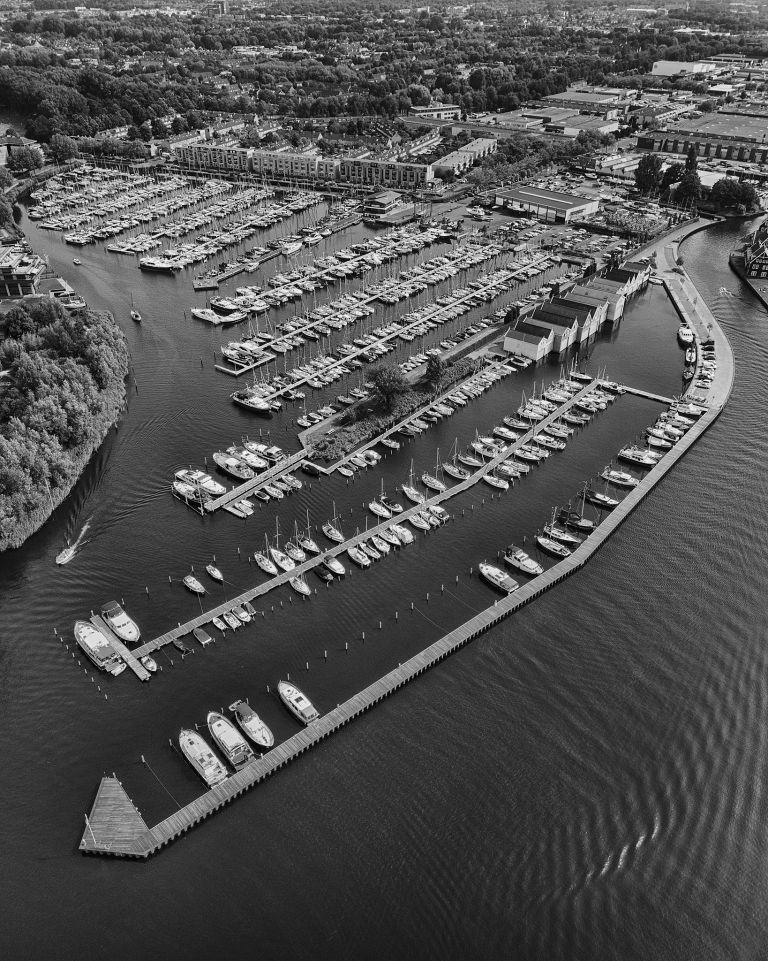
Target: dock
259,480
118,824
647,395
125,653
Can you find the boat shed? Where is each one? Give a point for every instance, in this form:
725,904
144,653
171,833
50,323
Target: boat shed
529,340
604,293
548,205
588,315
561,321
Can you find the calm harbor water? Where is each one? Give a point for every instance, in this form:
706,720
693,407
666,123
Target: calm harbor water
584,781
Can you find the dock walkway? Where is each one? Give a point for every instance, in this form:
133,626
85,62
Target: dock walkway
130,657
285,576
259,480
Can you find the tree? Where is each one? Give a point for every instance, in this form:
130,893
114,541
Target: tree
179,125
159,129
648,173
388,382
25,158
63,148
6,213
6,178
727,193
689,189
145,131
419,95
435,371
672,175
692,160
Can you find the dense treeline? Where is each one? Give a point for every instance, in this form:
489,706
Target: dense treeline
62,388
338,58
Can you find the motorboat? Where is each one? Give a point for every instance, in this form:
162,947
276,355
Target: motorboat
241,614
517,558
98,647
197,751
685,335
639,455
359,557
219,624
149,663
402,533
193,584
619,478
601,500
188,493
251,724
251,402
334,565
231,620
498,578
121,625
231,742
391,505
552,547
297,702
213,572
202,636
201,480
233,466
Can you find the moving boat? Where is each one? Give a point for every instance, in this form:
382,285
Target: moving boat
251,724
498,578
233,745
516,557
215,573
120,623
193,584
98,648
135,315
297,702
201,757
552,547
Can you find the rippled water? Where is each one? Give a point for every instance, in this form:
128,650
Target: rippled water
585,781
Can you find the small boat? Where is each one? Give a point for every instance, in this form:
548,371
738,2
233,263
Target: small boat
282,560
334,565
201,757
241,614
379,509
391,444
418,522
380,544
202,636
556,533
438,513
576,521
390,538
470,460
265,563
297,702
495,481
498,578
98,647
193,584
391,505
231,742
358,557
181,647
370,550
685,335
458,473
149,663
619,478
76,261
252,725
233,466
230,619
333,533
219,624
402,533
601,500
295,552
638,455
517,558
300,585
325,575
552,547
214,573
120,623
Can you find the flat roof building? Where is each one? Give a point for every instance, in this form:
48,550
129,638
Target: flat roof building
548,205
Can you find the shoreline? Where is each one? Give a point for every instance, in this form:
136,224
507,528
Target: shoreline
130,837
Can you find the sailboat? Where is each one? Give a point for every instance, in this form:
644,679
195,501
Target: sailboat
135,315
433,481
282,560
413,495
306,541
293,548
331,531
262,559
452,468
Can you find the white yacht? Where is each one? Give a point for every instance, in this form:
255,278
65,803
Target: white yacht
201,757
232,744
297,702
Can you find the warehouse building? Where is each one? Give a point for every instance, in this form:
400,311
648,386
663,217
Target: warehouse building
547,205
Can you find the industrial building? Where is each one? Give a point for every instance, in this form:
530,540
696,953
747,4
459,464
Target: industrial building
465,157
717,136
547,205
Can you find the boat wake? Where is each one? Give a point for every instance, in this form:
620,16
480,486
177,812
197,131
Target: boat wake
69,552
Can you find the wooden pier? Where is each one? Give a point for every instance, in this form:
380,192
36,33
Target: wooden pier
259,480
125,653
283,577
